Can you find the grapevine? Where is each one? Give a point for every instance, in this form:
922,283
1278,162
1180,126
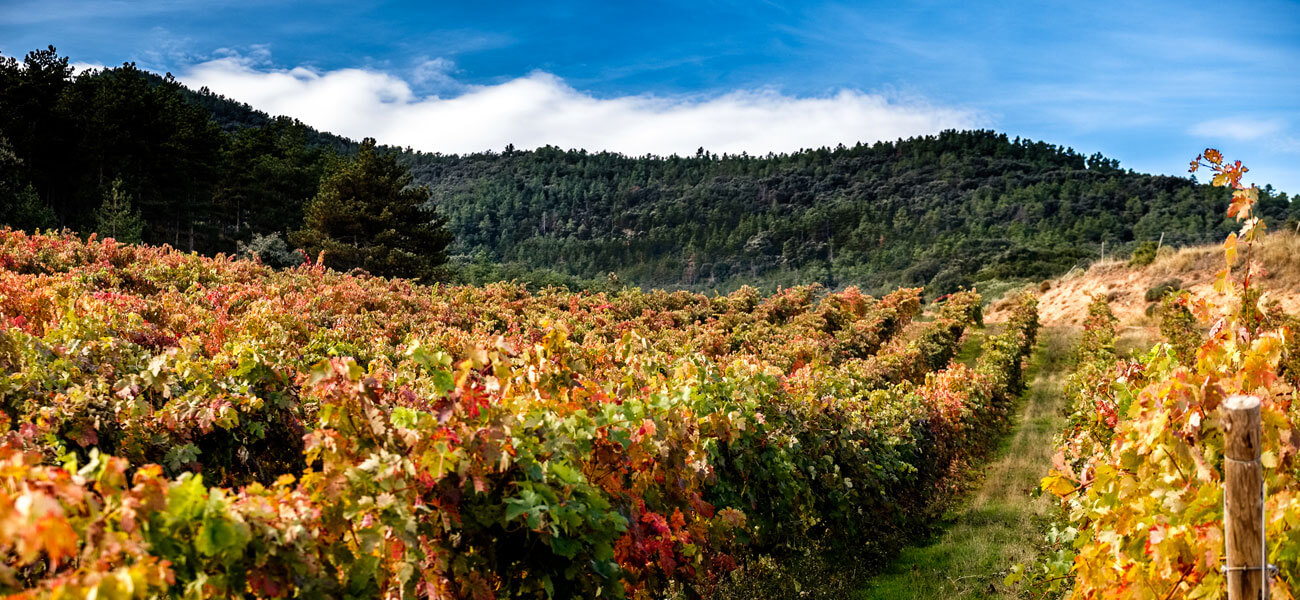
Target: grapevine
1140,467
209,427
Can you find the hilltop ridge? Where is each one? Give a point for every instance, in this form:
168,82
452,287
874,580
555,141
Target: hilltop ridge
946,211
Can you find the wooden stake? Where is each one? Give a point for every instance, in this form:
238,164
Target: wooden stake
1244,498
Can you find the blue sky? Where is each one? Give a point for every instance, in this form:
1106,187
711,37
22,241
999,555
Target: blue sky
1150,85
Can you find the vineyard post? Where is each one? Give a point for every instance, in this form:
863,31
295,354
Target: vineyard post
1244,499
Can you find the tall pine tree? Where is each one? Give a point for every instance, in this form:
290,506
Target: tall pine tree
20,206
367,215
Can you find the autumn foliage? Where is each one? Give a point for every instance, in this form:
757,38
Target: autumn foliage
1140,468
208,427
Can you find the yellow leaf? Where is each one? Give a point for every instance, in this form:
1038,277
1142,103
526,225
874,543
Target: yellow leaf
1268,459
1058,485
1230,249
1221,282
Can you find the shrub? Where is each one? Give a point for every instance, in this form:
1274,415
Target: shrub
272,251
1179,328
1143,483
1162,289
1143,255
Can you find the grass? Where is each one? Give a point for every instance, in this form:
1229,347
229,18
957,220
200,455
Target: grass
1279,252
1003,521
972,345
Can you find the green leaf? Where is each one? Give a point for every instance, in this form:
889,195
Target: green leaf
565,547
221,536
518,506
1017,573
186,499
179,456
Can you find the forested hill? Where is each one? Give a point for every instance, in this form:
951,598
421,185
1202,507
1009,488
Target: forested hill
943,211
207,173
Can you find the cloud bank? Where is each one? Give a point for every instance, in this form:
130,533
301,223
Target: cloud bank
541,109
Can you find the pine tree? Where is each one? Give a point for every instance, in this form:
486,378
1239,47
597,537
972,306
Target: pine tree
25,210
116,218
20,206
367,215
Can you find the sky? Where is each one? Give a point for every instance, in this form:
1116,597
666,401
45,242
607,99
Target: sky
1150,84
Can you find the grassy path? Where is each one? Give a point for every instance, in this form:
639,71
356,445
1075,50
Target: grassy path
1002,521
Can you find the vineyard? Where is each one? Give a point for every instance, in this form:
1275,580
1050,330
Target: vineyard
440,301
210,427
1140,466
182,426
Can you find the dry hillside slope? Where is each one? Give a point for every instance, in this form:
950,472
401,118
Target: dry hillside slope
1065,303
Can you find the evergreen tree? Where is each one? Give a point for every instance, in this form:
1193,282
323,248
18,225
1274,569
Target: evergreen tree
25,210
268,173
945,211
368,215
20,206
30,93
116,218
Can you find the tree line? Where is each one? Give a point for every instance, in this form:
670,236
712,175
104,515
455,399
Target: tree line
210,174
945,211
128,154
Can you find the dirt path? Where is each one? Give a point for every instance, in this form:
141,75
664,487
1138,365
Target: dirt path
1002,522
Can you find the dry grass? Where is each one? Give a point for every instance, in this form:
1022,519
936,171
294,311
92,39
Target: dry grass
1066,302
1280,256
1278,253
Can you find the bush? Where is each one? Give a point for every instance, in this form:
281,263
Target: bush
1162,289
1140,471
1143,255
1178,326
271,250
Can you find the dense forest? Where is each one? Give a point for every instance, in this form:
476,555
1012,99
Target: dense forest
942,211
205,173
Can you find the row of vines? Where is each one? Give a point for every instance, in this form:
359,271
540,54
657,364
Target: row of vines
207,427
1139,468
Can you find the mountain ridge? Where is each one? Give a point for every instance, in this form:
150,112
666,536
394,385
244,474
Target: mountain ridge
949,210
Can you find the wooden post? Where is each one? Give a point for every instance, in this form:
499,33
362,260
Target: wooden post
1243,483
1161,243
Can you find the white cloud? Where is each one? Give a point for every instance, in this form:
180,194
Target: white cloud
541,109
1241,129
81,67
436,74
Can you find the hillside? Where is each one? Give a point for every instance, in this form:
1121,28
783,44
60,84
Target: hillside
942,211
1192,268
945,211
